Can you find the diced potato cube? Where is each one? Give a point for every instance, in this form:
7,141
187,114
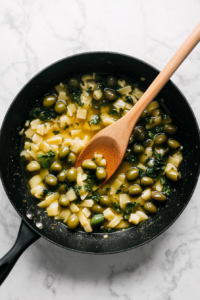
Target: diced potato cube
98,94
64,215
83,176
48,200
35,180
174,161
137,93
122,224
44,146
32,154
82,218
75,145
98,157
154,122
121,82
108,214
153,105
95,127
147,153
141,215
119,104
40,129
34,147
81,113
146,195
158,186
29,132
53,209
67,142
115,186
71,195
106,119
44,173
134,218
86,212
25,155
62,95
121,177
88,228
71,109
37,188
87,203
114,222
76,132
128,106
37,139
86,126
27,145
56,140
124,199
104,109
178,155
141,166
34,124
125,90
169,167
74,208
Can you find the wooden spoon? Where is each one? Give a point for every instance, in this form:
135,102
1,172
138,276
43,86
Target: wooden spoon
112,141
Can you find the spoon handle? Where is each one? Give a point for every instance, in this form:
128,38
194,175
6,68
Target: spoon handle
165,74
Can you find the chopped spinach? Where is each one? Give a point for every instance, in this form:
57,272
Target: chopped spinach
159,128
46,159
56,132
104,103
130,206
166,190
129,99
95,119
116,207
132,159
114,112
89,91
76,96
45,192
164,117
41,114
95,104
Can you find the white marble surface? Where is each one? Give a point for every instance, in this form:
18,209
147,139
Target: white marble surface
36,33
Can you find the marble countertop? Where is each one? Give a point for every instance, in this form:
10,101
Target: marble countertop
33,35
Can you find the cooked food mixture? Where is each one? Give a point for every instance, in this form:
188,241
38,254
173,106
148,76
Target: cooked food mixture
61,125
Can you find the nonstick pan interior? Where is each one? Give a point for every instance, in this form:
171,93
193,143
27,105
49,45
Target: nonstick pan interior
11,169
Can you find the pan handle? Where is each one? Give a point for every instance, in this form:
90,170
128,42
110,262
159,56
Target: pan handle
25,238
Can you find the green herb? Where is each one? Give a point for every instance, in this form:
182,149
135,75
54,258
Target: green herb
163,180
166,190
132,159
78,201
93,159
79,187
158,163
45,192
164,117
118,191
114,112
116,207
67,126
141,172
83,83
76,96
89,91
159,128
46,159
95,104
104,103
95,119
56,132
41,114
77,124
108,189
88,185
151,135
147,120
29,148
129,99
152,120
130,207
150,172
95,197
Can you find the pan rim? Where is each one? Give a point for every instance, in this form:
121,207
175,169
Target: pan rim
114,233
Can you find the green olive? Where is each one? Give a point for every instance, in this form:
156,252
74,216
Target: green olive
144,114
139,149
64,201
97,209
33,166
140,133
150,208
111,81
74,83
147,181
160,138
135,190
97,220
127,153
158,196
131,139
110,95
173,144
170,129
132,174
49,100
62,188
51,180
71,175
71,158
105,201
60,107
73,222
63,152
61,176
101,173
56,167
103,189
173,175
89,164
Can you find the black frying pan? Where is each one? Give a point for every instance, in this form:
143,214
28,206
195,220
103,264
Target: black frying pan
16,187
